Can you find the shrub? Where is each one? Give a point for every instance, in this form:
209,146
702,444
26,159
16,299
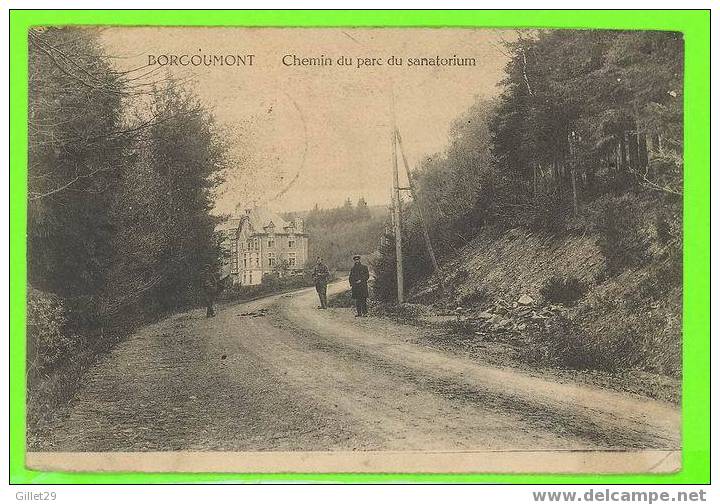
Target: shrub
622,241
430,295
567,344
618,223
668,223
563,290
299,281
458,277
478,296
384,285
656,284
416,260
49,340
341,300
663,231
644,338
549,211
270,281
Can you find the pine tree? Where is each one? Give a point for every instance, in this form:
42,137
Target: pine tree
362,212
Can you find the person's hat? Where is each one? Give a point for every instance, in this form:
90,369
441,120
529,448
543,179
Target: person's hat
356,257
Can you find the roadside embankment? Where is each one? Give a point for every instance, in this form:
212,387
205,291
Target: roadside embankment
554,303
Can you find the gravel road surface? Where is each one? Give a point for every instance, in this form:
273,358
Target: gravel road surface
277,374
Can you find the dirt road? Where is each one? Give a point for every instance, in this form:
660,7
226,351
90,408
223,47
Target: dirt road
277,374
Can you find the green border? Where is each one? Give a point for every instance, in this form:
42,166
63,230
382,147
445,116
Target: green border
694,24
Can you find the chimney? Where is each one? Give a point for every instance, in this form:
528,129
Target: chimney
240,211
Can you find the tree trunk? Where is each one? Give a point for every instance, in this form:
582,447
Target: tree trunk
590,179
623,153
642,151
574,192
633,150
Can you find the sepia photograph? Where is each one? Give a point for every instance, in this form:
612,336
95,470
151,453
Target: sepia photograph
358,250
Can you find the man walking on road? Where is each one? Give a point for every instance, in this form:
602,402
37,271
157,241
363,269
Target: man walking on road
359,276
321,275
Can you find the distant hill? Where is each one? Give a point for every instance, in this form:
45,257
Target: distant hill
376,211
336,234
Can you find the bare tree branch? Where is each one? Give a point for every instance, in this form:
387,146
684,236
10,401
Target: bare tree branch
70,74
646,182
37,196
524,70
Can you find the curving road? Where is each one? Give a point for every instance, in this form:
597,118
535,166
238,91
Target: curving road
277,374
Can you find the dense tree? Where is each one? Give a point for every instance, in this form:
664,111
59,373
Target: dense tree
122,169
454,190
362,212
580,105
75,148
164,235
336,234
345,213
449,184
582,116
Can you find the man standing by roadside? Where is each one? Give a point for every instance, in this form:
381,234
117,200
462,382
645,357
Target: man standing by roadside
321,275
359,276
210,287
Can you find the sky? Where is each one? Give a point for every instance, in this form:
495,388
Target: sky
318,134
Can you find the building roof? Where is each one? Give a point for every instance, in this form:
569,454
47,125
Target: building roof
228,225
259,218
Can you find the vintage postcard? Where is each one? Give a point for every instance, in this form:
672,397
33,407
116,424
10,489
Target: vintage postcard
354,250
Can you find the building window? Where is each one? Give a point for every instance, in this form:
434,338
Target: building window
234,257
250,278
245,256
271,243
271,259
257,260
256,244
291,243
291,259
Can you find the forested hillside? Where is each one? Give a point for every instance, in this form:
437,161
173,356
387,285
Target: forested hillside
122,168
336,234
585,140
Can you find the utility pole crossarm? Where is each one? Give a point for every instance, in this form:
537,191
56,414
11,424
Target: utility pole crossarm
418,203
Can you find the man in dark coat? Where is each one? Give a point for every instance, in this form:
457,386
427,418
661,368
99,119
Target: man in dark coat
210,288
359,276
321,275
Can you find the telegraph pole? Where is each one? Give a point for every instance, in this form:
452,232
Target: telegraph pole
418,204
397,217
